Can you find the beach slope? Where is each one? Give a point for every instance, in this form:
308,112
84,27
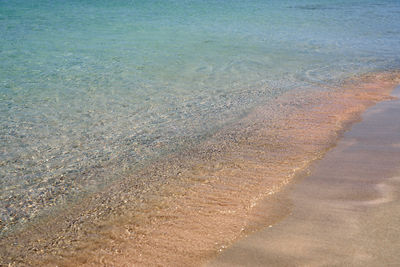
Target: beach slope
346,213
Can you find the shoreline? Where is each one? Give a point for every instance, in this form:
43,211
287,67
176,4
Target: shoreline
345,212
210,201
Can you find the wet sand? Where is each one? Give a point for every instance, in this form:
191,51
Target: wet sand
196,202
345,213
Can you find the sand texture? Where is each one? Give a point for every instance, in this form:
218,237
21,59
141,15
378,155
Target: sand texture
346,213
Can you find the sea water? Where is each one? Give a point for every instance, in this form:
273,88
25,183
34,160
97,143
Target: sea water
90,90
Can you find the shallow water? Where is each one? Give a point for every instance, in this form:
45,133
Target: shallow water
92,91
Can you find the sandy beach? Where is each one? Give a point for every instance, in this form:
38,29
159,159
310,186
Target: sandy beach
230,189
345,213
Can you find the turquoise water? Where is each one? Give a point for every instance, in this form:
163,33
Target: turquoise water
92,89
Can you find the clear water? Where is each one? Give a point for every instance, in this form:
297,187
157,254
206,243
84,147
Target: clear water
91,89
